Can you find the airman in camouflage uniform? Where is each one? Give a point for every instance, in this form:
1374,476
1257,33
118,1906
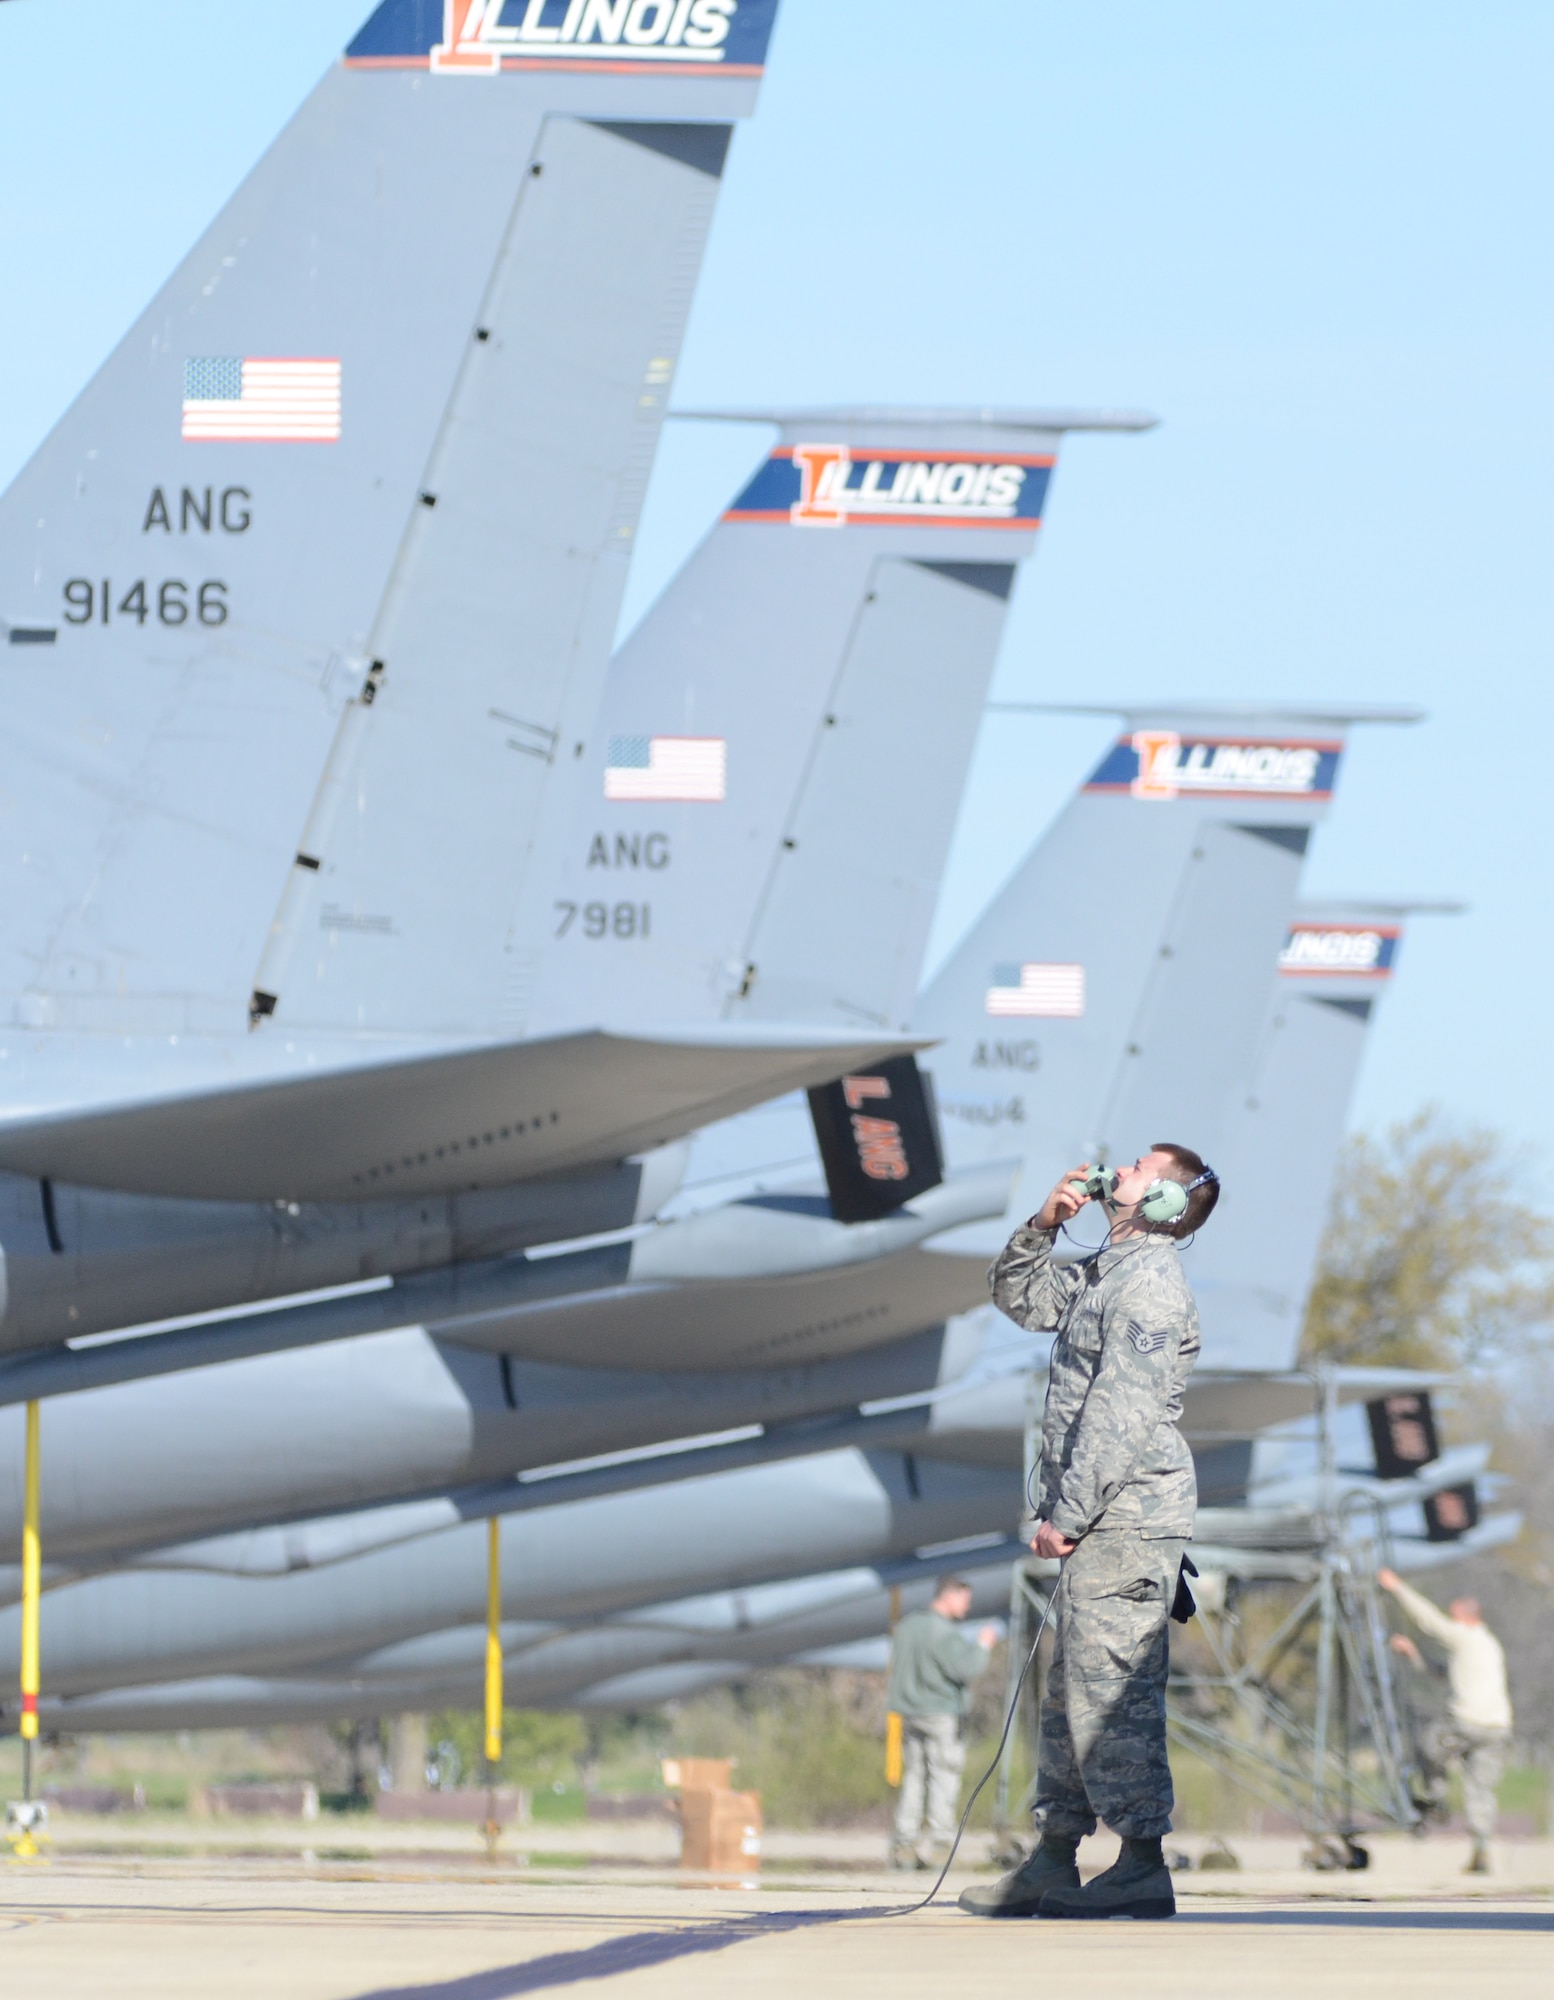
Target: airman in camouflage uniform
1116,1501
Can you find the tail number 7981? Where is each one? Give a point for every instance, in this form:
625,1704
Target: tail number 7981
602,920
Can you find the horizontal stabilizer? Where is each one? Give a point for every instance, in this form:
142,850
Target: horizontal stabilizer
1411,1553
980,1419
746,1322
1259,715
1455,1467
779,1236
1225,1404
887,415
477,1117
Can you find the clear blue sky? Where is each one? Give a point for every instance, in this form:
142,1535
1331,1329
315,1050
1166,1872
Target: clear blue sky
1313,238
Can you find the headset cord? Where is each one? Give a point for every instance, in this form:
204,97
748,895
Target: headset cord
1096,1251
1109,1241
911,1909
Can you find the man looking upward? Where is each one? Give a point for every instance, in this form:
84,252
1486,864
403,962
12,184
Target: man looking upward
1116,1504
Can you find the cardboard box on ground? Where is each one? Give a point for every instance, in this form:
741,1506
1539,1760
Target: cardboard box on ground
720,1829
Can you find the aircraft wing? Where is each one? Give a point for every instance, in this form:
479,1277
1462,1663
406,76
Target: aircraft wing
471,1117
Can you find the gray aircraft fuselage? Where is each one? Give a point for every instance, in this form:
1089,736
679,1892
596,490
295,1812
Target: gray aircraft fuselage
684,1644
387,1417
566,1563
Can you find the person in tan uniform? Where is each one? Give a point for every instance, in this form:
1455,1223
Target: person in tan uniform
1476,1730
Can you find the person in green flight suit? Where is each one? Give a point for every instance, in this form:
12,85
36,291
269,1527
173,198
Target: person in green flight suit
932,1666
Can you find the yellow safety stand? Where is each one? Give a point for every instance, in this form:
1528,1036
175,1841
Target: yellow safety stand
493,1828
893,1748
892,1720
24,1821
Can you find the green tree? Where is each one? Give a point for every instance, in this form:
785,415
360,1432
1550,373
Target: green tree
809,1740
1433,1258
537,1747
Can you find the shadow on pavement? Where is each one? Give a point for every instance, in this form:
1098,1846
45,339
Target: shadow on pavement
1381,1917
639,1950
633,1953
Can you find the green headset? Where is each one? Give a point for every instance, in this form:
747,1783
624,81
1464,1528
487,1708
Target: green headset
1163,1201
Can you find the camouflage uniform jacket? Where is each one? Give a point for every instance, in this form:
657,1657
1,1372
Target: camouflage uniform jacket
1127,1337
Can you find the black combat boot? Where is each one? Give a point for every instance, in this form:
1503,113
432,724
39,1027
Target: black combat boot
1138,1884
1050,1865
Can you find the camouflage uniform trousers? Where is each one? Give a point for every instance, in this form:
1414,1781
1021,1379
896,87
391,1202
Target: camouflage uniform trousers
1481,1753
1103,1716
933,1755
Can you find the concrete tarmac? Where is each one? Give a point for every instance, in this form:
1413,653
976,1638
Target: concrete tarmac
434,1926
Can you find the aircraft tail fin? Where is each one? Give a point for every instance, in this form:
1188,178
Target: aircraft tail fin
396,406
1279,1152
1112,993
785,734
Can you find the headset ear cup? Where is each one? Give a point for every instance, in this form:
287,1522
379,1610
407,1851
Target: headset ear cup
1164,1201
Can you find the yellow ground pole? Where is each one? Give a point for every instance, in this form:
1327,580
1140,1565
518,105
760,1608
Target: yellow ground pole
493,1674
494,1641
26,1847
892,1720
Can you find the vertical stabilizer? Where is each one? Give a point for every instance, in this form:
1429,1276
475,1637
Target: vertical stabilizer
767,804
1112,993
366,468
1252,1270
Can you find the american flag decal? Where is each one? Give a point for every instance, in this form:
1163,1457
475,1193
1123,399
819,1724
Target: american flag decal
666,767
1044,992
243,398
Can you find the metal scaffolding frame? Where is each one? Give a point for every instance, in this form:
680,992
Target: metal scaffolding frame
1308,1721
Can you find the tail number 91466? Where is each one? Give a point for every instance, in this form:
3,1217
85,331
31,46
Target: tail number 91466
172,602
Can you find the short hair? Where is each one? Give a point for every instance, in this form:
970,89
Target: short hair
1186,1166
944,1583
